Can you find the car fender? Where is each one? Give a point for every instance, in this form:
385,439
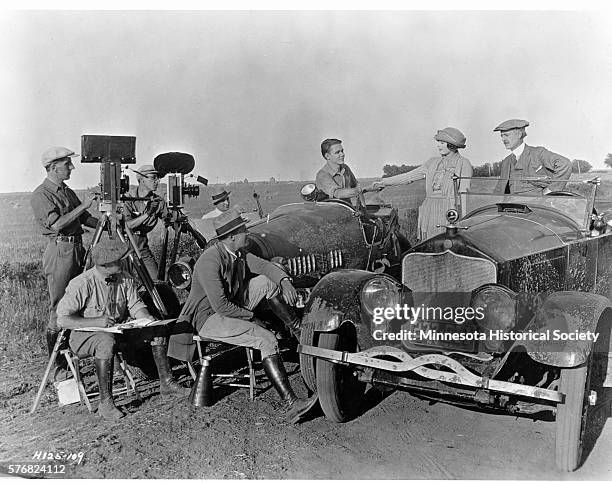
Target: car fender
335,300
565,313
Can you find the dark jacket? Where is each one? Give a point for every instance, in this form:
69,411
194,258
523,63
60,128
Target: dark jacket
218,285
533,162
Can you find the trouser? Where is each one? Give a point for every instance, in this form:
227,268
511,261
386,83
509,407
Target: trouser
244,332
101,345
142,243
62,261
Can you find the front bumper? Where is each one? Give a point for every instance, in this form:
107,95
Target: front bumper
455,373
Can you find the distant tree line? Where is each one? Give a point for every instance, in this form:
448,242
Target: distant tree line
392,170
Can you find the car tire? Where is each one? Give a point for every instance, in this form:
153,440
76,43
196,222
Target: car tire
580,421
340,392
307,363
571,417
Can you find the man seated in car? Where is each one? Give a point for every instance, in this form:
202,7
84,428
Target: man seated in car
529,162
335,178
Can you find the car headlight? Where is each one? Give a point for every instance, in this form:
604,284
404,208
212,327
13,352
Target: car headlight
179,274
495,307
380,292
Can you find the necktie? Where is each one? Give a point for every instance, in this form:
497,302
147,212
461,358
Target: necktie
111,301
239,277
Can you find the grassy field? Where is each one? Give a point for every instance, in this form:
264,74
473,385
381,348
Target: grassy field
23,312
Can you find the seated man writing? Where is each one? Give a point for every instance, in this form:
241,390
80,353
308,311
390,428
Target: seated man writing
222,299
101,297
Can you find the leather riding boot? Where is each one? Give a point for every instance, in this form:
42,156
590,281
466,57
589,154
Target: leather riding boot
106,408
296,407
167,383
286,313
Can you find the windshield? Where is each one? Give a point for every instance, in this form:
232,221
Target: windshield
576,201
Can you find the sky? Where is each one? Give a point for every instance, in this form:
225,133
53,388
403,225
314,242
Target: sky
251,94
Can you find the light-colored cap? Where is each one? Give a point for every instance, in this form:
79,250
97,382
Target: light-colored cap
55,153
451,135
511,124
146,169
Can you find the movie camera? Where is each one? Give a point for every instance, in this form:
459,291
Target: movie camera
177,166
111,152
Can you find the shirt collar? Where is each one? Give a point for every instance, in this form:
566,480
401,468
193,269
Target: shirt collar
518,151
118,277
233,254
53,185
331,170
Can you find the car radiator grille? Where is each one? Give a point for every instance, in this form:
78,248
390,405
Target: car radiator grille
446,272
315,263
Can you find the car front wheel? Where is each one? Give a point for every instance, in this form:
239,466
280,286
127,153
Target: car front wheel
586,408
340,391
571,417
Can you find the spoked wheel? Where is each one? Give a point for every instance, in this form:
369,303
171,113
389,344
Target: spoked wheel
340,392
581,417
571,417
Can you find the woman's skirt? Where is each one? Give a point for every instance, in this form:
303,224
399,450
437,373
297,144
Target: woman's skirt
431,213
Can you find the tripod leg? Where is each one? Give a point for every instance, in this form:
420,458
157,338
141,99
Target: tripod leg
178,228
102,224
161,271
197,236
142,271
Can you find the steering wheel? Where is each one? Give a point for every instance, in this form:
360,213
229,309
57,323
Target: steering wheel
361,203
564,193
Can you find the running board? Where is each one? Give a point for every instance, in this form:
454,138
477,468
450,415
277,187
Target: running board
458,375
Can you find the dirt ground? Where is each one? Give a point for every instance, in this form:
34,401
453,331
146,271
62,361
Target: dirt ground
397,436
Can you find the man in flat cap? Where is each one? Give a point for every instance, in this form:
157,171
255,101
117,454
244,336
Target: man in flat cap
529,162
141,216
104,296
222,299
222,203
59,213
335,178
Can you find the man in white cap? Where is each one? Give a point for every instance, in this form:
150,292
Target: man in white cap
222,203
222,299
59,213
142,216
529,162
104,296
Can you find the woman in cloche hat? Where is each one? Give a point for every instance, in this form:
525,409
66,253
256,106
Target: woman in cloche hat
438,173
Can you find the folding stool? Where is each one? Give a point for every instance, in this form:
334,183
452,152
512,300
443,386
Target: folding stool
233,377
73,364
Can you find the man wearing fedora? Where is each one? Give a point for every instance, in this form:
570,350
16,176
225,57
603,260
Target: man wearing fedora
222,203
529,162
59,213
104,296
142,216
222,299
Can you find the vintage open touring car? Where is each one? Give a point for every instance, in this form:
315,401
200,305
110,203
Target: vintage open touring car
534,273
